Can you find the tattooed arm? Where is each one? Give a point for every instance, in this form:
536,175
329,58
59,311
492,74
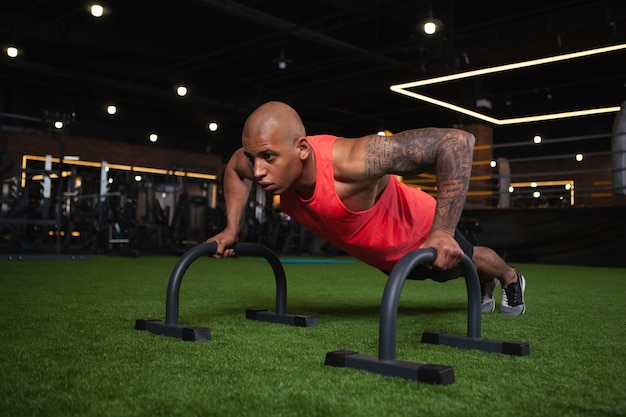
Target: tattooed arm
448,151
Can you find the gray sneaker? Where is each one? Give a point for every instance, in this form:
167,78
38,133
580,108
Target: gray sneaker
513,297
486,290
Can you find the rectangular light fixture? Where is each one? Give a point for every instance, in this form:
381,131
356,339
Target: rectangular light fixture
143,170
404,88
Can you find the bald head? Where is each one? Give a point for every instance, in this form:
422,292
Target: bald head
276,120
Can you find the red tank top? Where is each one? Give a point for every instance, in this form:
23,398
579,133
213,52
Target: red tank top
399,221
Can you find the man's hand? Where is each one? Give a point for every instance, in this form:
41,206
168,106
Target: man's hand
449,253
224,239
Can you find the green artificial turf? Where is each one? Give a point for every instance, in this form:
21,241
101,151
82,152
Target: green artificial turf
69,348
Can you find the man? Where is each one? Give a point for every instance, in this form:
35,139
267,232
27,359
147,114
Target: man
345,191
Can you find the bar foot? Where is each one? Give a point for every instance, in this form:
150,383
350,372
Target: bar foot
427,373
261,314
507,347
179,331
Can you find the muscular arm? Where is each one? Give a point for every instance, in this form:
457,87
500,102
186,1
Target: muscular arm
449,151
237,185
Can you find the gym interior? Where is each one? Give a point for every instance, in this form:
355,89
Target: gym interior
114,134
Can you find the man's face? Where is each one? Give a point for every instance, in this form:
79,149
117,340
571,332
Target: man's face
275,163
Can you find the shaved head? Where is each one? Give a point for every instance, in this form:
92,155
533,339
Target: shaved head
275,144
274,119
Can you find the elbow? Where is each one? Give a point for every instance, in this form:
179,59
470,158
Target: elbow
464,141
468,139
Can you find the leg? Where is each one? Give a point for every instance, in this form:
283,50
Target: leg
490,265
491,269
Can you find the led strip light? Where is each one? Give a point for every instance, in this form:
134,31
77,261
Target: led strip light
403,88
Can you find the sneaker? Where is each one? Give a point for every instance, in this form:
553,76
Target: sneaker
486,290
513,297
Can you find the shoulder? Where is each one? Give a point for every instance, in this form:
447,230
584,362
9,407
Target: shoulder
350,156
321,140
240,164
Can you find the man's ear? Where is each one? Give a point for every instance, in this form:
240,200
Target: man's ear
304,148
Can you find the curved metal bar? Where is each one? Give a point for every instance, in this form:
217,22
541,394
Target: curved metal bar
243,249
255,249
393,288
391,297
386,363
472,283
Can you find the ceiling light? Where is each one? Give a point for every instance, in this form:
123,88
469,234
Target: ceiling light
96,10
12,51
403,88
430,25
181,90
537,139
153,137
111,109
212,126
282,62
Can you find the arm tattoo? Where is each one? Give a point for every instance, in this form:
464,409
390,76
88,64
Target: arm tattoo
453,170
409,152
449,151
378,156
401,155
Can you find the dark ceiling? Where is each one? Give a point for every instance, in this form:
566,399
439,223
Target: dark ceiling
344,56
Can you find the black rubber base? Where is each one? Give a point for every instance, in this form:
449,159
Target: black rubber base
507,347
179,331
428,373
261,314
200,334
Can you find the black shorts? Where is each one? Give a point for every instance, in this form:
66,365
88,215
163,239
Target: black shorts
420,272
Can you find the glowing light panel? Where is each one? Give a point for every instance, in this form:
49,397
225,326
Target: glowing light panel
403,88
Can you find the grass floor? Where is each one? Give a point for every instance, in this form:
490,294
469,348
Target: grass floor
69,348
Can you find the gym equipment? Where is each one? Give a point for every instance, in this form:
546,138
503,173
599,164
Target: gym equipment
386,363
618,153
172,328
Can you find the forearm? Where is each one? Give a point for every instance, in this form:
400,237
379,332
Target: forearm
453,168
236,194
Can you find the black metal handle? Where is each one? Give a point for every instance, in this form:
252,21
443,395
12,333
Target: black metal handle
393,288
241,249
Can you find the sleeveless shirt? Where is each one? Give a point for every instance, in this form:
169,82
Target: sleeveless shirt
399,221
